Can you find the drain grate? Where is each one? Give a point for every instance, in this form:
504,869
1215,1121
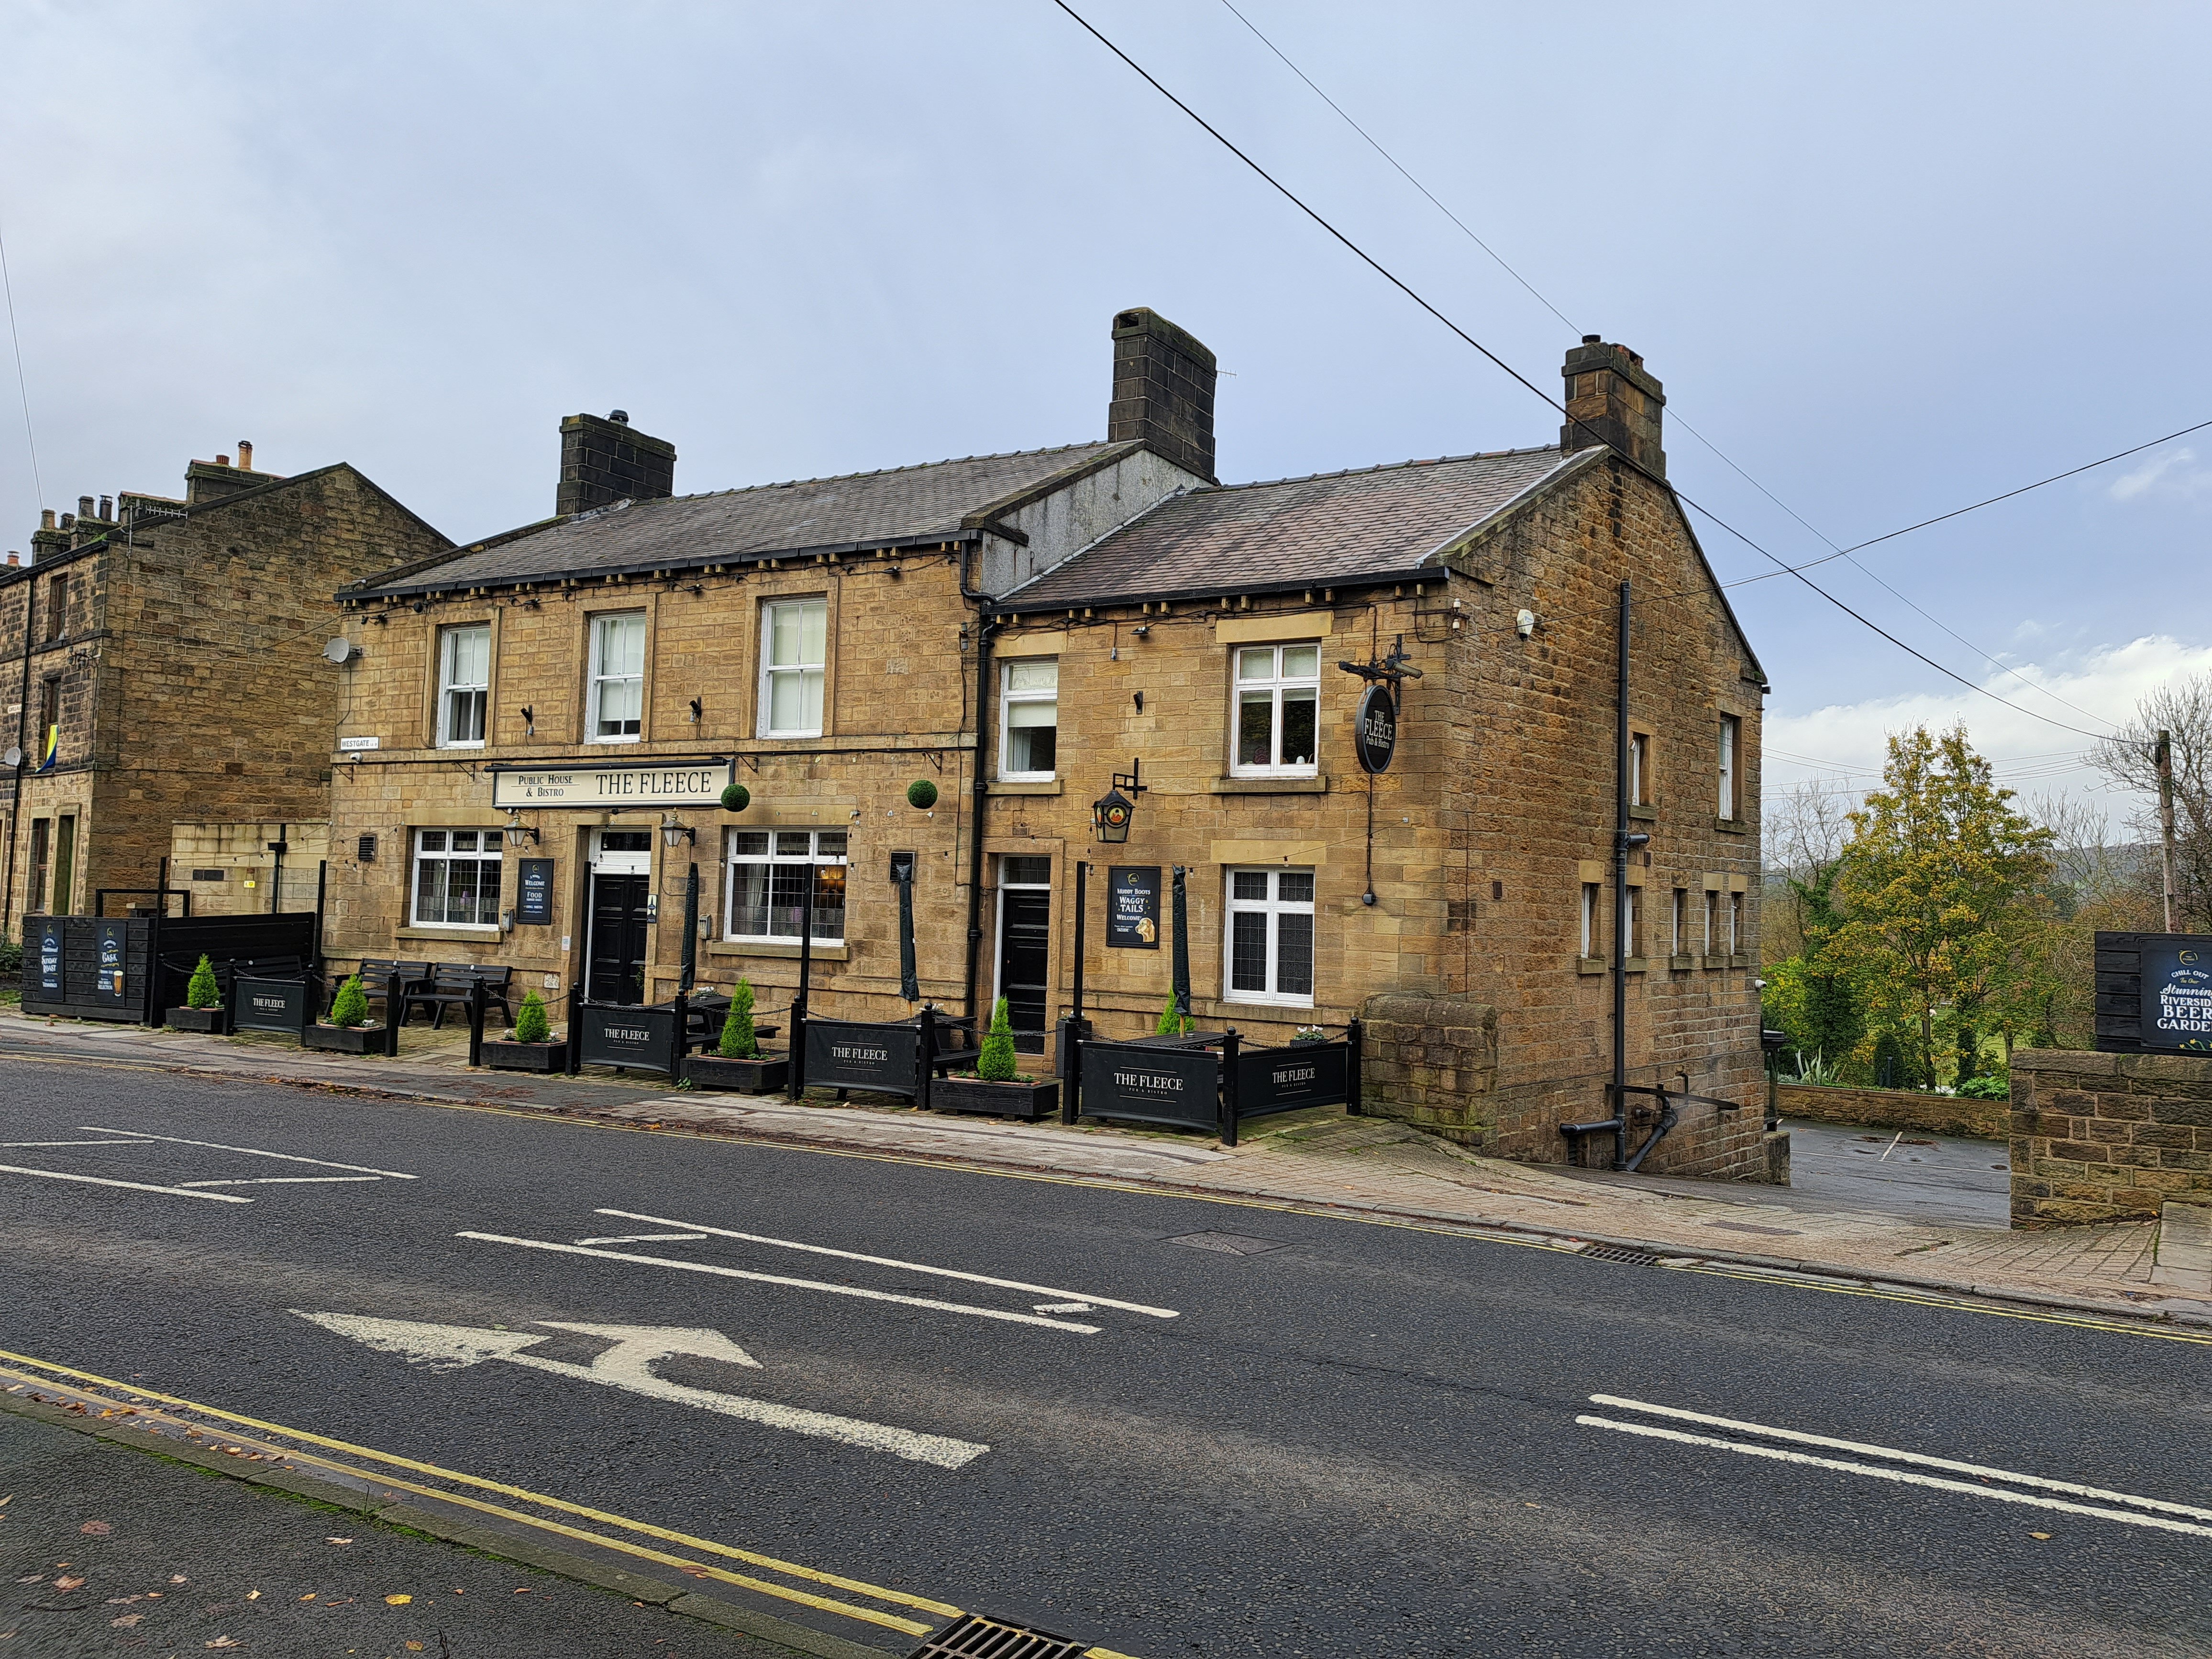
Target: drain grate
1619,1253
972,1636
1230,1243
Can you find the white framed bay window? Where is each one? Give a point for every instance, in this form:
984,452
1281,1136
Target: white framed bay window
457,878
1270,947
464,684
765,890
1028,720
615,697
1278,709
794,658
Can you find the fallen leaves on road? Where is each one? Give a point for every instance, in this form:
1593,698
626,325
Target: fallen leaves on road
254,1595
126,1621
68,1583
122,1601
338,1541
223,1642
2038,1535
96,1529
309,1596
414,1647
396,1601
178,1578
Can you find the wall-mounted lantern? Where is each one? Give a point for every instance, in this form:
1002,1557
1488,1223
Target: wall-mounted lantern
517,831
673,834
1111,813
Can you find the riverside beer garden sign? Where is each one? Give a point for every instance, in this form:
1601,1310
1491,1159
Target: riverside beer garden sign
2177,995
679,783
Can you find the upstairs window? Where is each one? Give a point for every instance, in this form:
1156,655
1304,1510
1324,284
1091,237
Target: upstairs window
1030,720
464,685
768,874
57,608
1270,936
1588,932
794,655
1639,769
1731,745
615,699
1278,709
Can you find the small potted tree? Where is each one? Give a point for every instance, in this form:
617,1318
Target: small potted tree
1172,1024
997,1084
530,1046
737,1062
202,1009
347,1029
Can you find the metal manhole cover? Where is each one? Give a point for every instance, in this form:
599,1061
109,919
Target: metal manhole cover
1619,1253
1230,1243
972,1636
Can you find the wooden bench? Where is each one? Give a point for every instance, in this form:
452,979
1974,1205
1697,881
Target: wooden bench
449,986
376,974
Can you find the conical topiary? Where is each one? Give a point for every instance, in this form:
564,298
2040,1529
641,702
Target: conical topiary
995,1064
530,1024
1171,1024
738,1040
349,1008
203,992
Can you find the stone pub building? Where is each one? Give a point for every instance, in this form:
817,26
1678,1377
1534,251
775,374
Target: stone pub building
951,662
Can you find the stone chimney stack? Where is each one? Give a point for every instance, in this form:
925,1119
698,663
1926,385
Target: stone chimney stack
1163,383
604,461
1611,400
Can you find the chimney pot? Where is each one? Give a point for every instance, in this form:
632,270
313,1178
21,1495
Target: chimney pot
222,460
68,520
46,518
605,461
1592,339
246,455
107,509
1611,399
620,416
14,558
84,507
1164,381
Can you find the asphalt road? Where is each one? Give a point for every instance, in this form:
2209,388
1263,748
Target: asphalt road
1360,1439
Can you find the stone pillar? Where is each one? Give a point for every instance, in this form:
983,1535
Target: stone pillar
2106,1137
1432,1061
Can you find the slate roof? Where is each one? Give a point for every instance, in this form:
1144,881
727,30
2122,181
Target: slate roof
1328,531
932,503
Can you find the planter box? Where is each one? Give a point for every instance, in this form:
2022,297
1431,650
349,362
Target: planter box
208,1020
769,1075
969,1094
345,1039
525,1056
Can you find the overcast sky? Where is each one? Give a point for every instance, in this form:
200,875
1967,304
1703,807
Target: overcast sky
1890,260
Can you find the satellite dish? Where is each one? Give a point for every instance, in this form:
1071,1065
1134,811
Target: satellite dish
339,651
13,757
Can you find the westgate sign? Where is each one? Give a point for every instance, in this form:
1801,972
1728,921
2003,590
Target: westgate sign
681,783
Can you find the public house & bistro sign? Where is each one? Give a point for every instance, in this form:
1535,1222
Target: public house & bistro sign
688,783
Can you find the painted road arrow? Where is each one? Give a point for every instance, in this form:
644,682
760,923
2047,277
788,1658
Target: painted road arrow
627,1365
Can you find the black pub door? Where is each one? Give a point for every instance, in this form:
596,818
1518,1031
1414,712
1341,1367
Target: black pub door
1024,959
617,963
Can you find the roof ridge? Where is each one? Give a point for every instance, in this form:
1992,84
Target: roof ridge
881,472
1384,466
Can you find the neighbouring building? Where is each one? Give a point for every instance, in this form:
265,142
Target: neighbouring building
542,727
164,663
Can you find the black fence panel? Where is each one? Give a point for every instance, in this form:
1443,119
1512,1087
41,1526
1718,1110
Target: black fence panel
1149,1085
884,1060
283,1006
232,945
636,1039
1290,1079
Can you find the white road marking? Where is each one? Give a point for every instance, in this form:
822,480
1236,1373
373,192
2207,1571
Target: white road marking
1063,1307
644,1238
625,1366
910,1267
778,1279
72,1143
251,1151
282,1181
2070,1488
1903,1477
134,1186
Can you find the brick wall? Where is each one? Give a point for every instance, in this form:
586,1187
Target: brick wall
2099,1137
1896,1109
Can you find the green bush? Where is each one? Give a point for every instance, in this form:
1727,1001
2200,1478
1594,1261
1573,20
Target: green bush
530,1024
349,1008
1986,1088
203,992
11,957
736,797
921,794
1170,1025
996,1063
738,1042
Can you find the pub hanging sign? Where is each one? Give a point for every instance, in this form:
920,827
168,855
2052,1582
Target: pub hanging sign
1375,728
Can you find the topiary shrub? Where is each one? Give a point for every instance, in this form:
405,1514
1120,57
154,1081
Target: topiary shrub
738,1042
203,992
736,797
349,1008
921,794
996,1062
530,1022
1172,1025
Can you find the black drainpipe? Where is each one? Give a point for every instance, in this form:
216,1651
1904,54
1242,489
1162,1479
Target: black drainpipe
977,787
22,754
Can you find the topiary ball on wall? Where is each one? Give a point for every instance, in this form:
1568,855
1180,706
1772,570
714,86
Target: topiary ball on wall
737,797
921,794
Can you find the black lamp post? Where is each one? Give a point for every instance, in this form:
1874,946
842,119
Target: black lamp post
1111,813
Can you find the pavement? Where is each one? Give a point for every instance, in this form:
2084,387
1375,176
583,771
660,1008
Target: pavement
855,1392
1923,1213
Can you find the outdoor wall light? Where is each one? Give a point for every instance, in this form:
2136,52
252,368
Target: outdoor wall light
517,831
673,834
529,722
1111,813
696,710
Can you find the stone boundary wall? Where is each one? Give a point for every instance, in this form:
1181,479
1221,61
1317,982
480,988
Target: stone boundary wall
2102,1137
1432,1061
1896,1109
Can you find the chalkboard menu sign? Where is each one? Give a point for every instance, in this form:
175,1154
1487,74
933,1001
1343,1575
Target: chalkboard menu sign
533,892
107,944
46,969
1132,907
2177,995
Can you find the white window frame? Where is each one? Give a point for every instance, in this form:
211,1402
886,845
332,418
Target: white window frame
1274,908
1736,924
450,688
1731,755
1639,769
776,858
1590,914
599,680
771,670
1631,923
1712,905
490,849
1681,921
1276,684
1009,699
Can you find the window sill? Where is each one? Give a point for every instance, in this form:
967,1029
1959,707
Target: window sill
716,947
1645,814
480,934
1025,786
460,745
1305,784
1256,1004
1681,961
613,743
1739,960
1589,964
1637,965
788,737
1733,826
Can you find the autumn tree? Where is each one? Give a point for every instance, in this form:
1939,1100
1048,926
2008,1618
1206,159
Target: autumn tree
1943,890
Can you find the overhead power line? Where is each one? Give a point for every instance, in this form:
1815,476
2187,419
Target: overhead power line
1405,288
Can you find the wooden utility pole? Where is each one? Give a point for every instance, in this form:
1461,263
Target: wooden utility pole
2166,819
